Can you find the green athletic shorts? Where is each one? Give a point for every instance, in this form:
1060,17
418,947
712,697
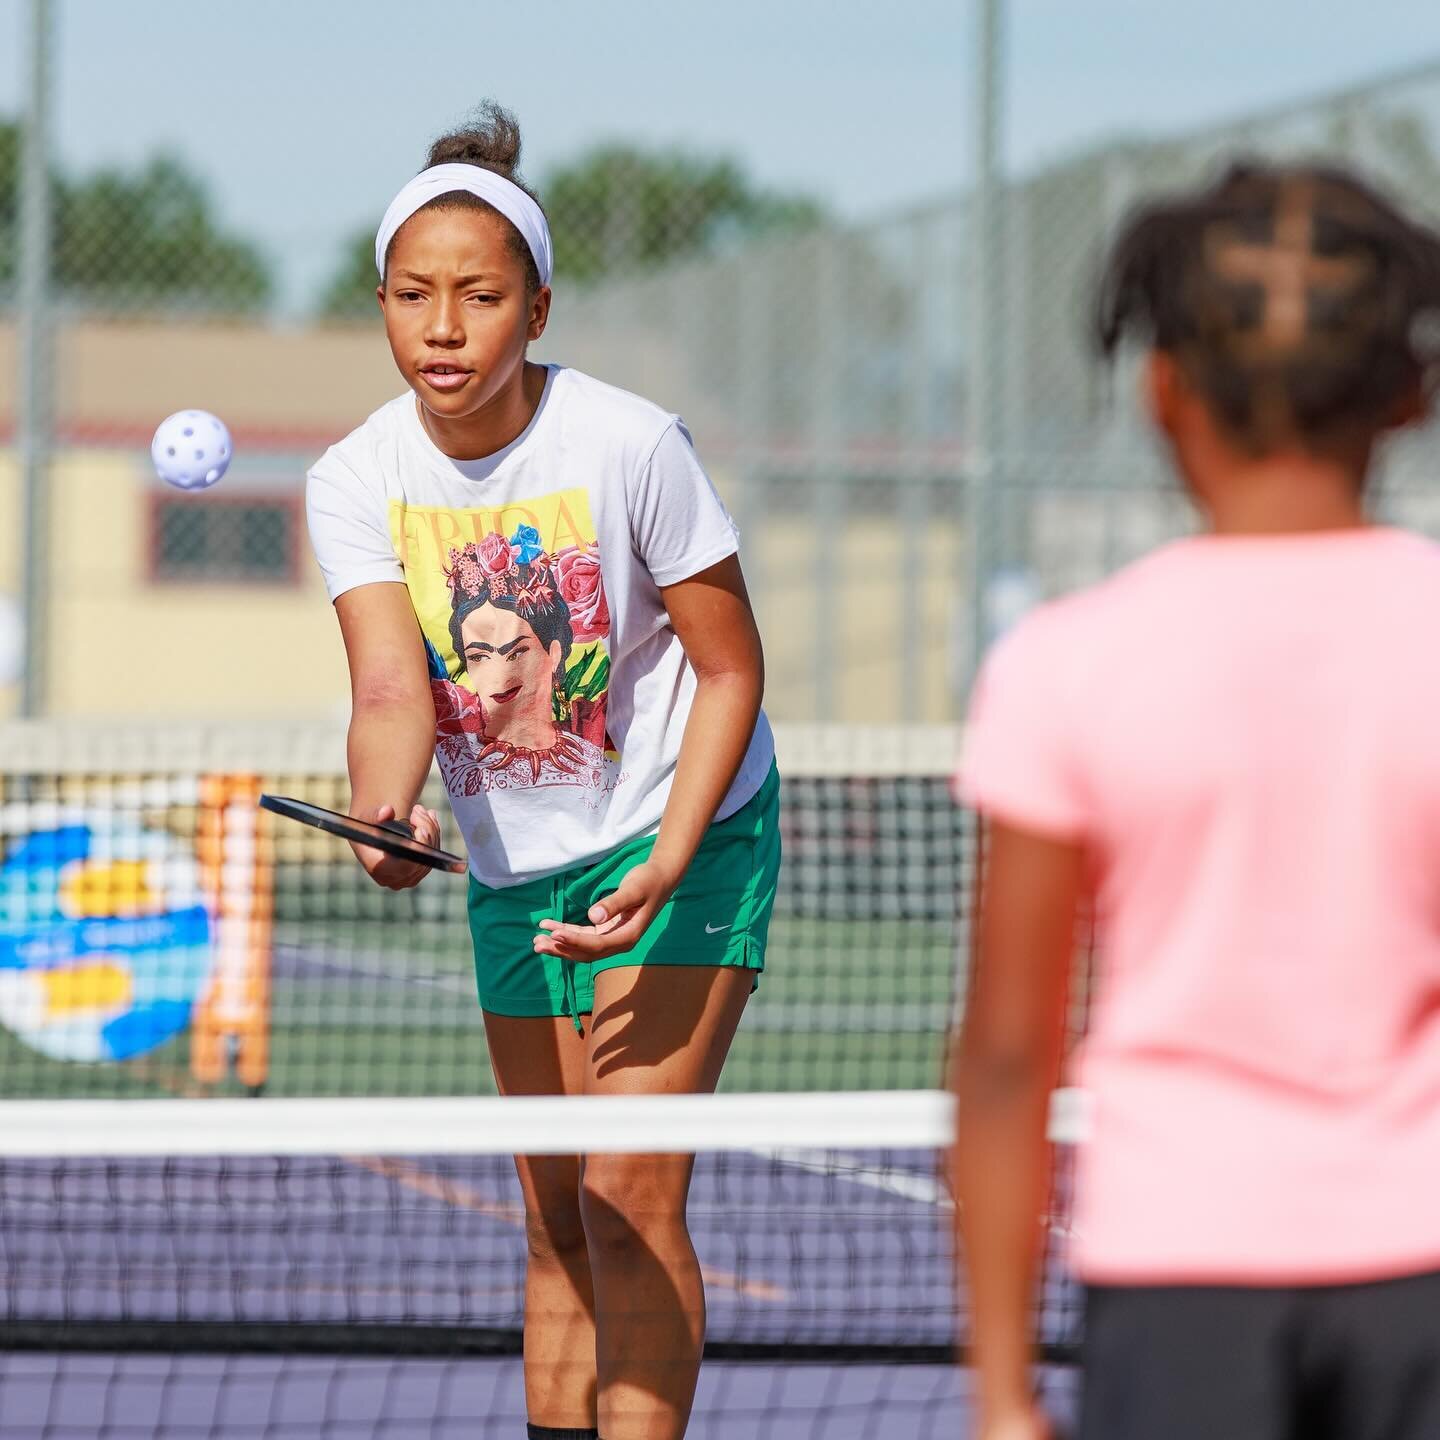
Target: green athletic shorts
719,915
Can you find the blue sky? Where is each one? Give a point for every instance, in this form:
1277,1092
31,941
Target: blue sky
305,115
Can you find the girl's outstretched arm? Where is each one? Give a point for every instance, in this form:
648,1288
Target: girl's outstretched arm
712,616
1007,1063
391,742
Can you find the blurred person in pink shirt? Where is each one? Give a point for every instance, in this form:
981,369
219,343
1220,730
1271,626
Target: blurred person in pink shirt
1231,749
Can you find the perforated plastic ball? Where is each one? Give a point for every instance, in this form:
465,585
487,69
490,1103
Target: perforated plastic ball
191,450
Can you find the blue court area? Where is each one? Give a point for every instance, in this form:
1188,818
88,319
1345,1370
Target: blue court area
347,1297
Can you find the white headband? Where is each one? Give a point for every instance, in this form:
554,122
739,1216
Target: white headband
507,197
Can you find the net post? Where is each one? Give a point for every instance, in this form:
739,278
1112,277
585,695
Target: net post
232,1017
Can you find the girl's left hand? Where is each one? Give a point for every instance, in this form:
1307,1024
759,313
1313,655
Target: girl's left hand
616,922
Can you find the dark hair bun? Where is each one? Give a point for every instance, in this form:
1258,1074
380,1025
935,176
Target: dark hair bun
490,137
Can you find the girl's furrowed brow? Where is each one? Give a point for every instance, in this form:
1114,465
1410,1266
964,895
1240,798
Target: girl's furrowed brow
458,280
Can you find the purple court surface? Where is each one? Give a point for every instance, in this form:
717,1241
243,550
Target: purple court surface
75,1397
799,1249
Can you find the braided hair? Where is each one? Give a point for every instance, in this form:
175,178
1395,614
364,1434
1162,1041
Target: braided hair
1302,304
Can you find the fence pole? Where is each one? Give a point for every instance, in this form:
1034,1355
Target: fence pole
34,415
829,468
987,316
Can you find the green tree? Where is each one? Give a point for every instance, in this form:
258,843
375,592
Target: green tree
137,240
350,292
620,208
9,203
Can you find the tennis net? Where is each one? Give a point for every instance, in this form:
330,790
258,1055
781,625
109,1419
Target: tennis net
348,1267
160,936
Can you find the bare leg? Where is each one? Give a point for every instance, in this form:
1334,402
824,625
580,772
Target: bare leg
546,1057
655,1030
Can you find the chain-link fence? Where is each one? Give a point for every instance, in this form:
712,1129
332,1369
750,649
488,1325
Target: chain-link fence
828,373
831,376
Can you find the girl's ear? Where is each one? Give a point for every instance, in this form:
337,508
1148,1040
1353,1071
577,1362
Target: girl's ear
1165,391
539,313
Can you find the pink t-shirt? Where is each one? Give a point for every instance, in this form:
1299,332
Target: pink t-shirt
1244,732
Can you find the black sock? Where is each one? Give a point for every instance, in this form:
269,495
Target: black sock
548,1432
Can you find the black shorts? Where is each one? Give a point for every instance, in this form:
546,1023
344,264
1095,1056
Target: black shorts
1325,1362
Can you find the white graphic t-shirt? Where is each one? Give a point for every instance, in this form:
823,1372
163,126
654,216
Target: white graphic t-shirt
561,691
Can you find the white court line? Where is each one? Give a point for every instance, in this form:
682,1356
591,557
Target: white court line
854,1171
1069,1124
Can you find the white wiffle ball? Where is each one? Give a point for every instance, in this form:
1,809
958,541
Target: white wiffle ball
191,450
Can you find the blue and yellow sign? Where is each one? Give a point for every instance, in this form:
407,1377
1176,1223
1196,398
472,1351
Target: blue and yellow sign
105,939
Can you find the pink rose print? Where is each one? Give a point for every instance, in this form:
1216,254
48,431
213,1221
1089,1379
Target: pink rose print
457,711
495,556
577,577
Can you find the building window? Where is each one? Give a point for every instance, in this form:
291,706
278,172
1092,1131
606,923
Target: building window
214,539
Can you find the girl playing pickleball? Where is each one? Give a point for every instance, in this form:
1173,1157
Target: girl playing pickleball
1230,748
537,584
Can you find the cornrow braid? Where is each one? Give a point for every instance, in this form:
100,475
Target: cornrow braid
1299,301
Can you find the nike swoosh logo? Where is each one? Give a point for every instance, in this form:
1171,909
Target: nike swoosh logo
716,929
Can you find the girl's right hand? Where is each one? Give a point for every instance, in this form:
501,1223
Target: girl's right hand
1030,1424
389,871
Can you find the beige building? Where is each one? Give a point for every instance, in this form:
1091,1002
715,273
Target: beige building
199,606
154,606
